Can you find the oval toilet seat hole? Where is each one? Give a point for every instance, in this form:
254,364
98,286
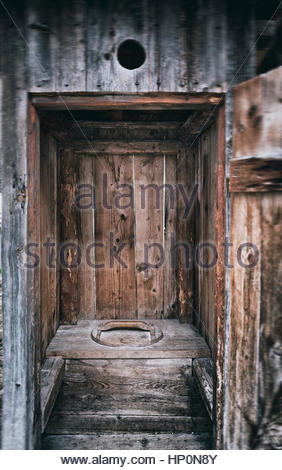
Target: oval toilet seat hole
123,333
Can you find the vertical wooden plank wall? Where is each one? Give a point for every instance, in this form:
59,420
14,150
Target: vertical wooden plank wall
170,304
254,382
114,226
73,45
86,280
185,234
69,223
20,223
149,229
130,288
206,149
49,228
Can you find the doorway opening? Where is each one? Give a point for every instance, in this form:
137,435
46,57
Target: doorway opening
131,203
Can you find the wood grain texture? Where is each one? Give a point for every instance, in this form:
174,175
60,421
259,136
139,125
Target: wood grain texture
86,277
120,130
133,441
221,293
84,43
151,101
49,227
206,178
149,232
185,234
114,228
51,377
170,228
257,310
203,31
127,147
255,174
257,127
254,384
180,340
204,377
121,396
69,254
72,424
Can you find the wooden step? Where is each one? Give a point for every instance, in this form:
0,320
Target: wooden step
132,387
73,423
130,404
124,441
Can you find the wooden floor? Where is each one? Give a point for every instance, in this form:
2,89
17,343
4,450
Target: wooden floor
129,404
129,398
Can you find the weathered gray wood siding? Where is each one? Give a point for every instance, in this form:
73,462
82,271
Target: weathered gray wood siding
60,46
191,45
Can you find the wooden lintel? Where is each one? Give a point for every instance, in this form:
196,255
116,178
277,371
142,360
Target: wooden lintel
254,174
123,130
149,101
126,147
126,124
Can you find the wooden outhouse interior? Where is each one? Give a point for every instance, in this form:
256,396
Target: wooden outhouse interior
200,104
115,183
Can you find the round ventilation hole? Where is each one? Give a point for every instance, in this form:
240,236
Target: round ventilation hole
131,54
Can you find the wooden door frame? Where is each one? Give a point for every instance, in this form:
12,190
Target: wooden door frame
112,101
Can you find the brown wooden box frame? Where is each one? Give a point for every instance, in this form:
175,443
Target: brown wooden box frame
103,101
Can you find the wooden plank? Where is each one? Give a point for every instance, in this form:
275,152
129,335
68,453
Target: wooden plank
40,52
244,322
257,116
83,101
270,394
220,280
185,235
125,398
122,395
178,341
116,23
255,303
113,378
51,377
32,333
72,423
203,371
149,231
206,174
172,65
114,228
255,174
144,441
120,130
170,217
49,236
257,310
86,277
126,147
21,225
70,67
44,229
68,237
